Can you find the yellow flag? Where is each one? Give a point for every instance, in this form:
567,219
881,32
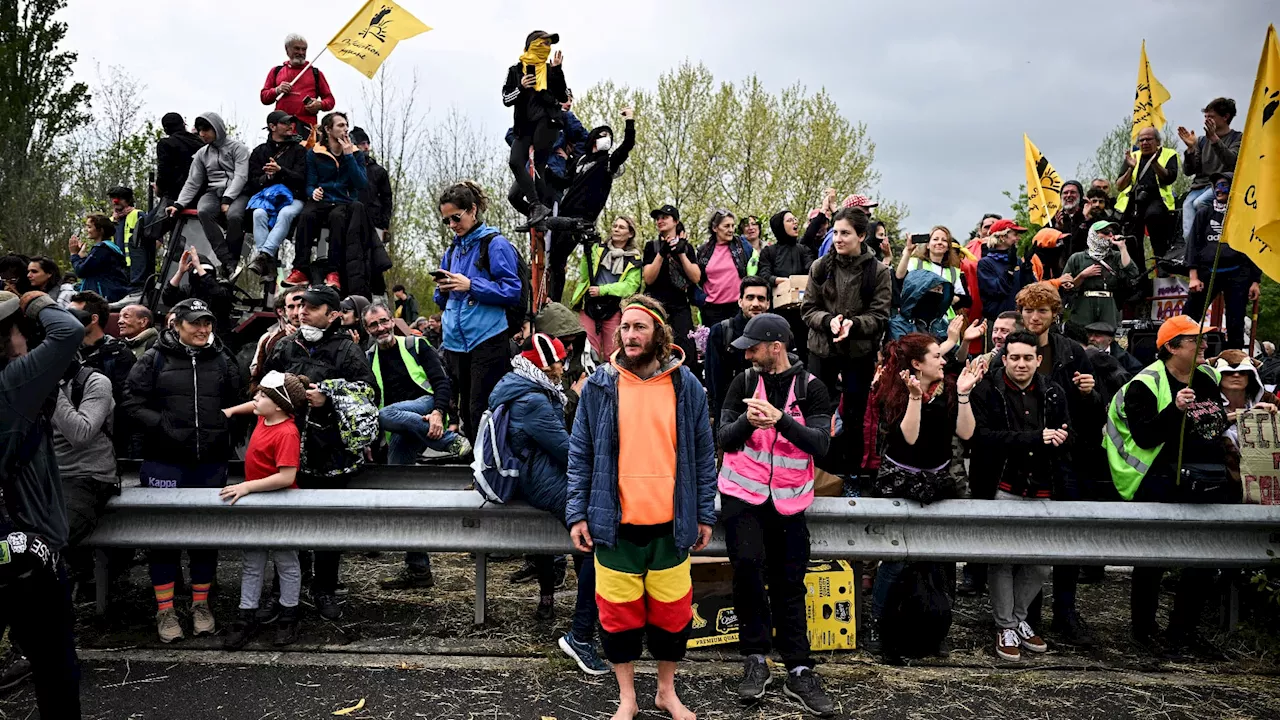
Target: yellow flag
1149,99
373,33
1252,225
1044,185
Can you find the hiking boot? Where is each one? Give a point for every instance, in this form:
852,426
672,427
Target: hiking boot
168,626
297,277
1008,645
1069,629
286,627
268,614
408,579
803,685
546,611
869,637
261,264
460,447
242,630
333,280
537,213
328,607
226,269
755,678
16,670
202,619
526,574
584,654
1030,640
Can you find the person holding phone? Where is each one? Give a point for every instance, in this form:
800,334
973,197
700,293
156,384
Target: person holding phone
536,91
335,176
936,252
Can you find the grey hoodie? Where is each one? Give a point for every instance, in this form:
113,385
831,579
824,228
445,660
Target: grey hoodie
221,166
80,434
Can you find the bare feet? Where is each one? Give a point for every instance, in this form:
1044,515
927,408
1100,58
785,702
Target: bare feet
627,710
670,702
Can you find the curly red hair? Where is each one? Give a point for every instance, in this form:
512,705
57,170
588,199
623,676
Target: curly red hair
890,393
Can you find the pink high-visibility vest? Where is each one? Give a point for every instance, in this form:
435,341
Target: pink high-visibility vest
770,466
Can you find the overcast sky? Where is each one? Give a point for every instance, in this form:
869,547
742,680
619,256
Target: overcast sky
945,88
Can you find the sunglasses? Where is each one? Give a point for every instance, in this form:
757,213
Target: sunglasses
452,219
1233,373
1222,188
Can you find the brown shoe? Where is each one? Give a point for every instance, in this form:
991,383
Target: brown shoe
1030,640
1008,645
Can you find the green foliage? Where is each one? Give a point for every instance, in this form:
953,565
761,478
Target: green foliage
1108,160
1268,321
41,109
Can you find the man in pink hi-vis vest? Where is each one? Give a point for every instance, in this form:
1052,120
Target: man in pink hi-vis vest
776,419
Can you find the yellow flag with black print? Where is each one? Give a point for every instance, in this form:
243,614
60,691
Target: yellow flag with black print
1149,100
1044,185
373,33
1252,225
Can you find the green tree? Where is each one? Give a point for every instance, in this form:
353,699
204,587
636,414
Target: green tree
41,109
117,146
1108,159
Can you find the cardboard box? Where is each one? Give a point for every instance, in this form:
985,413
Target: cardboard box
829,606
791,292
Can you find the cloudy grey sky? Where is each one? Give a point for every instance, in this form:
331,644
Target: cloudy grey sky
945,88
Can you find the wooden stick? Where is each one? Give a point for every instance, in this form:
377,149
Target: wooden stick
303,70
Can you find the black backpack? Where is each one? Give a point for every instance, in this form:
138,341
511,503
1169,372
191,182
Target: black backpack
315,76
516,314
917,615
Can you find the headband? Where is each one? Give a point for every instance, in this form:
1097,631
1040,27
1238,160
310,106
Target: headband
652,313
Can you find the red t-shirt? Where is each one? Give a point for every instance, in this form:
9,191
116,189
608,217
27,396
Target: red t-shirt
272,447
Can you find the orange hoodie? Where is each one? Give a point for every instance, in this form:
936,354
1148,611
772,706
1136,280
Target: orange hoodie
647,446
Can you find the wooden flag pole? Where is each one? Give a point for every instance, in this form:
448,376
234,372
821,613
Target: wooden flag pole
303,70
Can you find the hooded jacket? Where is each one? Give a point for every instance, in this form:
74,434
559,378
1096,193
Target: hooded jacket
82,433
537,435
221,167
593,457
377,197
591,175
173,160
786,257
922,309
1206,236
835,288
176,393
292,159
103,270
1000,276
1254,393
342,178
476,315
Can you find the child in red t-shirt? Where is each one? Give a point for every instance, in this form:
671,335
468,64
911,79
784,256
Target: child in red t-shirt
271,463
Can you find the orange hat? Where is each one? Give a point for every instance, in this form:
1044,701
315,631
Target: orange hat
1048,238
1179,325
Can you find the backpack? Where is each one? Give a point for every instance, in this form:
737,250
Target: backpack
518,313
917,614
495,467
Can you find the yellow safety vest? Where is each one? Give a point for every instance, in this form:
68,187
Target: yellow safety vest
416,371
1166,191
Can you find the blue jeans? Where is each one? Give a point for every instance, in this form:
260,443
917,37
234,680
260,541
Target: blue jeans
269,241
1197,201
409,431
885,577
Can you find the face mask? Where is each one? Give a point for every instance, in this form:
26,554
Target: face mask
311,334
603,144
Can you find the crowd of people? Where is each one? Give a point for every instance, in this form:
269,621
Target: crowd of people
987,370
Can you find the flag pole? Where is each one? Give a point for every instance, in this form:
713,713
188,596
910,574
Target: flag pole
303,70
1208,298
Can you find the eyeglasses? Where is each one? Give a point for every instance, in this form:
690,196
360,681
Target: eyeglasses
1233,373
380,323
451,219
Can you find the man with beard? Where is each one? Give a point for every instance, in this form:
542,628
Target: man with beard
776,419
724,362
645,505
1146,196
1072,217
301,95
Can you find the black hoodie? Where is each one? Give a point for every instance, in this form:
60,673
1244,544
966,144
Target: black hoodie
173,161
591,175
786,257
292,159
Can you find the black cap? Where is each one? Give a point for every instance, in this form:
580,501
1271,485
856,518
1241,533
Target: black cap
275,117
322,295
765,327
666,210
1228,176
1101,328
553,38
192,309
358,135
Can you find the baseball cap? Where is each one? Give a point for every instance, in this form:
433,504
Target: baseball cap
552,38
322,295
1101,328
1103,225
275,117
1047,237
1228,176
192,309
860,201
666,210
765,327
1002,225
543,350
1179,325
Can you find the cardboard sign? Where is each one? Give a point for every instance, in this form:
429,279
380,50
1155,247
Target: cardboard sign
790,293
1259,457
1170,296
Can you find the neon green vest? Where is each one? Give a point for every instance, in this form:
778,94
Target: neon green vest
416,371
951,275
1130,463
753,262
130,227
1166,191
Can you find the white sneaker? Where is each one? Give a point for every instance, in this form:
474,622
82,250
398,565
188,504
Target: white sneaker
1030,640
1007,645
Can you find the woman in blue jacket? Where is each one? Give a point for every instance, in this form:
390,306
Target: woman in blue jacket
335,177
100,263
477,282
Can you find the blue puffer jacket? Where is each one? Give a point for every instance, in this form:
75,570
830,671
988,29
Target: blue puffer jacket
593,459
103,270
478,314
537,433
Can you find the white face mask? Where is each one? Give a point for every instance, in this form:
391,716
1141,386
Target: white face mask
603,144
311,334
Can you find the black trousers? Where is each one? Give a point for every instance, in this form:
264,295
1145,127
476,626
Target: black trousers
341,219
850,380
474,376
770,553
540,139
38,611
327,563
1234,285
561,249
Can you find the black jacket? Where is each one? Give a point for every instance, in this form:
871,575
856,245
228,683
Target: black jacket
376,196
723,363
1076,227
784,258
176,394
173,162
1007,453
207,288
532,107
813,437
591,175
111,357
1202,246
1069,358
292,159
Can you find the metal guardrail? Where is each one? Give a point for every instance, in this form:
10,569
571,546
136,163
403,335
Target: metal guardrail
374,477
1038,532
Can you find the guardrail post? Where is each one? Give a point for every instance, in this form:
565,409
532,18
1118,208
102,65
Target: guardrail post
482,585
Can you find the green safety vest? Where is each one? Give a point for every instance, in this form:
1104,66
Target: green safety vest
1166,191
1130,463
130,227
951,275
416,371
753,262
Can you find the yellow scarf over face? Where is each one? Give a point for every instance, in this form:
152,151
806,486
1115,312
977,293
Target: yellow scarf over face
537,54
